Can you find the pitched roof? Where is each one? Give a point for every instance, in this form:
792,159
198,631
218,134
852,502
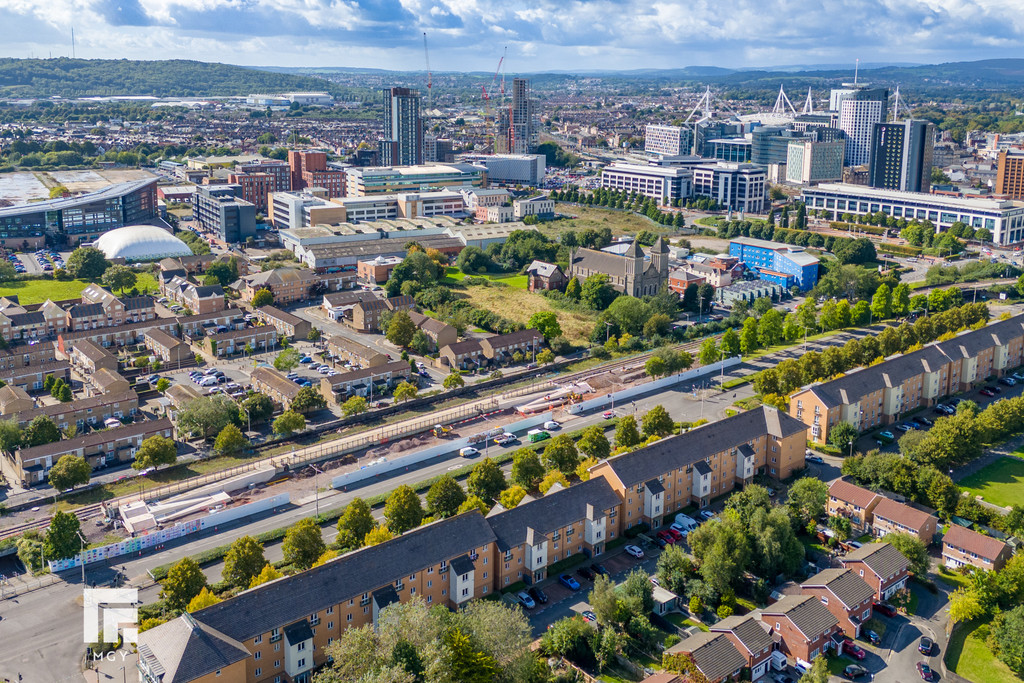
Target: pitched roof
97,437
92,350
751,632
104,378
713,653
848,492
396,367
279,276
543,269
276,381
465,346
133,303
844,584
206,291
402,301
185,649
552,511
973,542
354,348
907,515
85,310
692,447
806,612
277,313
428,324
500,341
162,338
346,298
286,600
22,319
882,558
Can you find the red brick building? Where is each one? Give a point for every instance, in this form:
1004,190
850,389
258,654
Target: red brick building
847,596
803,626
882,566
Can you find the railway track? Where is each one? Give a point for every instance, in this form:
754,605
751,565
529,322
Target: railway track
83,513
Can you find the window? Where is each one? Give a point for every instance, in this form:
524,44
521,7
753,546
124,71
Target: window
301,663
275,635
258,639
217,673
348,617
258,655
301,646
258,671
330,610
330,625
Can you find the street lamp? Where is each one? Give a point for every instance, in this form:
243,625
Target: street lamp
851,448
82,539
316,488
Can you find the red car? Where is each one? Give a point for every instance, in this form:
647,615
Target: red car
666,536
925,671
675,534
852,649
887,610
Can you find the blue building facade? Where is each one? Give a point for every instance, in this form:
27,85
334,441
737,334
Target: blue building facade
782,264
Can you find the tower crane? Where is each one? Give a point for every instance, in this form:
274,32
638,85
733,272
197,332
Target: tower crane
426,56
494,80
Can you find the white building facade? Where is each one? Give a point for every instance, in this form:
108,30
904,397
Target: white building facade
737,186
657,182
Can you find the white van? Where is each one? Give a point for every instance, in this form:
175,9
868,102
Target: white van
687,522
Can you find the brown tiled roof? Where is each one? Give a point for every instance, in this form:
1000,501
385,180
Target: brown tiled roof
848,492
973,542
907,515
276,380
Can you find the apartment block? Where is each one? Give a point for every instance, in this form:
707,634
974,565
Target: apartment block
439,333
366,382
882,566
803,625
1010,174
90,357
704,463
880,394
846,595
962,546
234,341
167,348
350,351
291,326
365,315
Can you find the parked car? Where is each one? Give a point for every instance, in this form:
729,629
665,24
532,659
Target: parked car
676,534
1007,381
589,616
925,421
505,438
925,646
815,458
525,600
538,595
885,609
903,427
887,436
1019,376
569,582
707,515
305,360
680,529
634,550
599,569
585,573
854,671
872,637
666,536
924,671
854,650
551,424
987,391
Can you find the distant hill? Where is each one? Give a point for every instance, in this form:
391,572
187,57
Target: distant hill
162,78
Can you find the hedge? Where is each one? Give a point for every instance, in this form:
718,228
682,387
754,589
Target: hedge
562,565
898,249
859,227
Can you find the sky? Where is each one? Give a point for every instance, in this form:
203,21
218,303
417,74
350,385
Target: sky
541,35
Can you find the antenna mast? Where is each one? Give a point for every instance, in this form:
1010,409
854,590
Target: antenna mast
426,55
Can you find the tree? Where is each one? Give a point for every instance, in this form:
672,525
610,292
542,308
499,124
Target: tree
545,322
709,352
769,328
655,367
511,496
545,357
730,344
262,297
808,497
841,435
156,450
303,544
185,580
573,290
308,400
243,562
289,422
596,292
68,472
561,454
472,260
287,360
87,263
402,510
231,441
256,408
486,480
64,393
119,278
1008,633
818,673
405,392
626,433
901,299
657,422
163,384
354,524
203,600
748,336
453,381
593,443
61,540
474,503
401,329
444,497
964,606
223,273
674,568
881,302
527,470
268,573
914,549
354,405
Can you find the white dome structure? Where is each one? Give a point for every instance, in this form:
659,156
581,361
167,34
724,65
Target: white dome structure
141,243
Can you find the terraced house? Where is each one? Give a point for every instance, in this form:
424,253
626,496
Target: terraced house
703,463
880,394
845,594
882,566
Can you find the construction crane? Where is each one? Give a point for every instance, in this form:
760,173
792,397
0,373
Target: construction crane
426,56
494,80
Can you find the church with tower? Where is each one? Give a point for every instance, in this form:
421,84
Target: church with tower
633,272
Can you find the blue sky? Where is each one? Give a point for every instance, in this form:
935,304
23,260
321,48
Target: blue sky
469,35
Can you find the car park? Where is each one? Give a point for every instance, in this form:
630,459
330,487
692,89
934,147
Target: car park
666,536
885,609
707,515
1007,381
904,427
569,582
987,391
679,529
925,421
634,550
525,600
676,534
305,360
538,595
1019,376
925,646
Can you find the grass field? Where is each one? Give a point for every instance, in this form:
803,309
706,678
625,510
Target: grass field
454,276
519,305
38,291
969,656
620,222
1001,483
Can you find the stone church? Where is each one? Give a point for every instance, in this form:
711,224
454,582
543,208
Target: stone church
633,272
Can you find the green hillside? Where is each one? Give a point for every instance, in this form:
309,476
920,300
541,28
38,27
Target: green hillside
164,78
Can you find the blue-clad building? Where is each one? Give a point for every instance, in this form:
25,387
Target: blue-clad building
783,264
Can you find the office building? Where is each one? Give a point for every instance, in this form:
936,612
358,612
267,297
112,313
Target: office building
1003,218
309,170
522,132
1010,175
509,169
663,183
362,182
288,210
670,141
782,264
403,128
71,221
860,108
218,209
901,155
280,171
738,187
730,149
810,162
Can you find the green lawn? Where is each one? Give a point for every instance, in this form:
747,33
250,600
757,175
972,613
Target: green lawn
1001,483
682,622
953,579
969,656
454,276
38,291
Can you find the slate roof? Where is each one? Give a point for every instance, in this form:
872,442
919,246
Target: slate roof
207,291
605,262
552,511
298,632
907,515
692,447
23,319
463,347
713,653
277,381
882,558
500,341
806,612
184,649
849,492
543,269
847,586
402,301
462,565
85,310
751,632
983,546
132,303
286,600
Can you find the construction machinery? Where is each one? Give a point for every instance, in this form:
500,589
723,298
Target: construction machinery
426,56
